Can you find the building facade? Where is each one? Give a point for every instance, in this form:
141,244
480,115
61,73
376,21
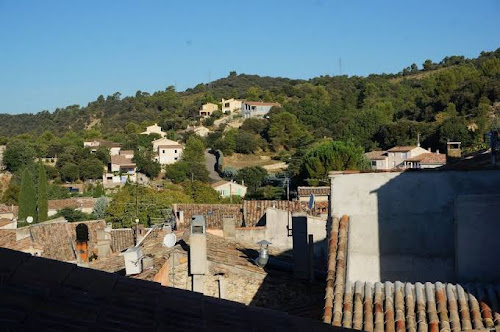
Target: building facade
252,109
167,151
394,158
230,188
154,129
207,109
231,105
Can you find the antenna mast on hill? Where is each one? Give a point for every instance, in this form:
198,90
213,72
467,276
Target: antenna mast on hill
340,66
209,80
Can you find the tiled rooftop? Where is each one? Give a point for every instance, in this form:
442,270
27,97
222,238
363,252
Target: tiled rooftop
317,191
74,203
121,160
376,155
401,148
397,307
430,158
46,295
55,239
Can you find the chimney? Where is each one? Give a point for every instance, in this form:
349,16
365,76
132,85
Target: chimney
133,260
429,149
198,253
437,151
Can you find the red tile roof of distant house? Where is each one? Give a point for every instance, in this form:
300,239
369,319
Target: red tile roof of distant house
317,191
121,160
401,148
430,158
376,155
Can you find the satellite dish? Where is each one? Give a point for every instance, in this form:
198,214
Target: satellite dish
29,219
169,240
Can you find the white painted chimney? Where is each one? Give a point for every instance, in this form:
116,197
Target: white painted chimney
198,253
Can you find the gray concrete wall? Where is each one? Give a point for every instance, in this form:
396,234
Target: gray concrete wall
402,224
477,222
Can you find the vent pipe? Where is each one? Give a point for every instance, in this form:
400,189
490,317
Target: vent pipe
263,254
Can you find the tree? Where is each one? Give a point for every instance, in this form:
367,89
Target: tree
143,157
246,142
332,156
428,65
100,207
27,197
18,155
254,125
69,172
194,158
201,193
252,176
90,168
42,200
285,130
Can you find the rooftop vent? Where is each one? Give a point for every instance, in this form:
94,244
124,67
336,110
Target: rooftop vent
133,260
263,254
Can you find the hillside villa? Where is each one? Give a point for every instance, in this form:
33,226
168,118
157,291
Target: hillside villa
167,151
404,157
120,169
207,109
230,188
252,109
231,105
154,129
114,148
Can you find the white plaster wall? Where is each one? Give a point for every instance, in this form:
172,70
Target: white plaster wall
402,224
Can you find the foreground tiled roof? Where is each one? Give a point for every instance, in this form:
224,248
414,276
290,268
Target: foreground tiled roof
55,239
430,158
376,155
45,295
317,191
401,148
397,307
121,239
8,209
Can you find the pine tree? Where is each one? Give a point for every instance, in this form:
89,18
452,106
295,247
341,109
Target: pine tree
42,202
27,197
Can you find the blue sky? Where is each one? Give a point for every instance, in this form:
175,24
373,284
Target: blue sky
59,53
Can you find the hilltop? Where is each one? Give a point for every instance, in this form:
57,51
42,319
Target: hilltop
440,100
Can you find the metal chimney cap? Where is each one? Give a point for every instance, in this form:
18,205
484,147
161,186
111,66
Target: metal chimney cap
264,243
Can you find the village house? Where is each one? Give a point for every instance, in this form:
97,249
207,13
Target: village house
252,109
230,188
426,160
114,148
231,105
207,109
201,131
394,157
167,151
154,129
120,169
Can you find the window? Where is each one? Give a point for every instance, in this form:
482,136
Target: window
374,163
162,151
226,105
175,158
175,151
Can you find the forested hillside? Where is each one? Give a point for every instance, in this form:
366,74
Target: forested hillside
455,99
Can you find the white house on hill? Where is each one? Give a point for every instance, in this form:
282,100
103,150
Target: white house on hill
231,105
230,188
154,129
398,156
252,109
167,151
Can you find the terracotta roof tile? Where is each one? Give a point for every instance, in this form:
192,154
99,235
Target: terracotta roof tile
260,103
429,158
401,148
376,155
398,306
317,191
121,160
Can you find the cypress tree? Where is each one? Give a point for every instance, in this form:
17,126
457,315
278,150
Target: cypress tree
27,197
42,202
